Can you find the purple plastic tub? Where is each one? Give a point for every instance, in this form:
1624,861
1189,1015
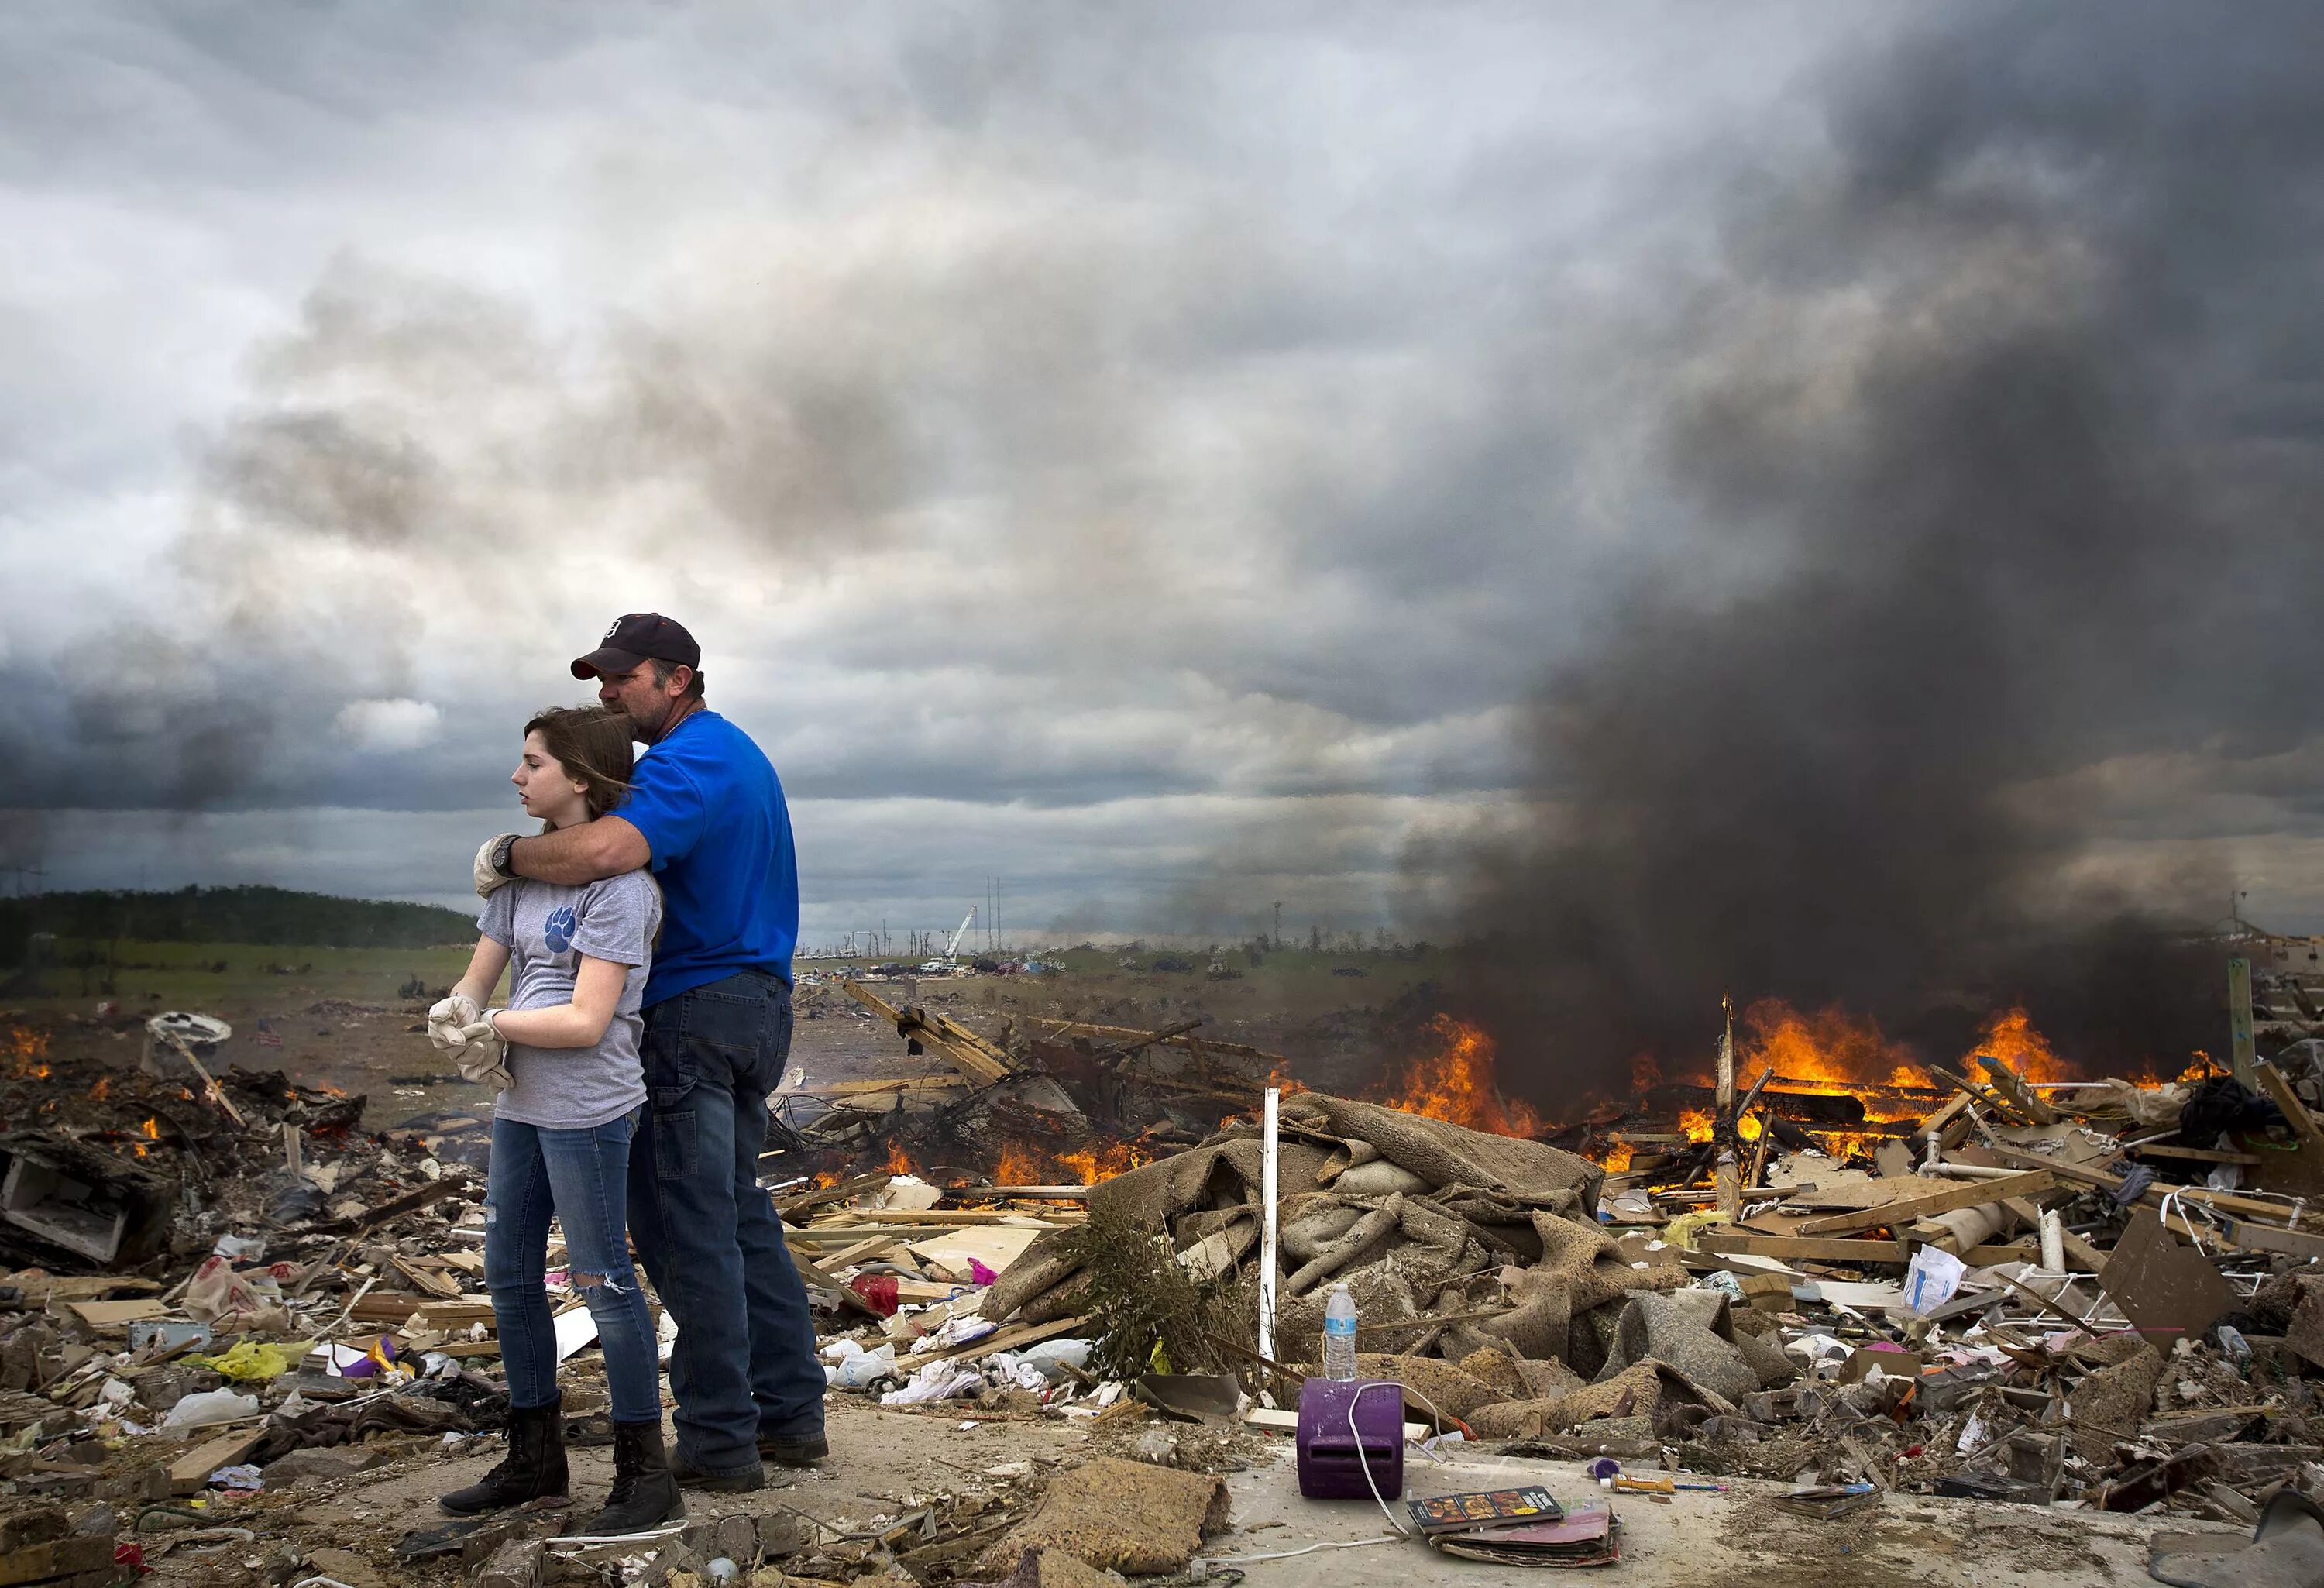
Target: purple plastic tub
1333,1460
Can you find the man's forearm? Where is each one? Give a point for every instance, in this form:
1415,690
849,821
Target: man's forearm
605,848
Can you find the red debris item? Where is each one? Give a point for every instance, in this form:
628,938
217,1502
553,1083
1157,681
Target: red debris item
978,1274
131,1556
878,1291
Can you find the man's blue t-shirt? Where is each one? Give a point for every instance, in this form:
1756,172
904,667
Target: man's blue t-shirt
711,812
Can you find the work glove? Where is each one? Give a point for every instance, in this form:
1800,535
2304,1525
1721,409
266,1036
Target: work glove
448,1019
482,1054
487,879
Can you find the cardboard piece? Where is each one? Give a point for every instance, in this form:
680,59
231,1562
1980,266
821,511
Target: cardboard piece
2169,1291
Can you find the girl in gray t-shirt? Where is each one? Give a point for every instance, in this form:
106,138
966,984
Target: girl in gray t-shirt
577,959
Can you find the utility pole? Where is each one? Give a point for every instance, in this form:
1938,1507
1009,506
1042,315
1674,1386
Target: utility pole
1278,940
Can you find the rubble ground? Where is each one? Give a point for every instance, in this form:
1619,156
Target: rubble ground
1739,1539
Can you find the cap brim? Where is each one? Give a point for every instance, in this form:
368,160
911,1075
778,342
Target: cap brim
607,660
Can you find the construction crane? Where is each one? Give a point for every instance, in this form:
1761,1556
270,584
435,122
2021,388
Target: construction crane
946,962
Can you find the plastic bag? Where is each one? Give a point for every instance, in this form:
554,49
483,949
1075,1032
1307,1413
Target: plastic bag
865,1368
217,1292
1052,1357
210,1405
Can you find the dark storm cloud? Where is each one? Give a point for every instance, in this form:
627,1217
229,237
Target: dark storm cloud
1172,423
1964,417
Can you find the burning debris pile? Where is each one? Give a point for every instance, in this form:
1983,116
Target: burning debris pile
1993,1281
1068,1102
222,1287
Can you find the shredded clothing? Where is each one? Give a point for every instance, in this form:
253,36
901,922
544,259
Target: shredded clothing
547,928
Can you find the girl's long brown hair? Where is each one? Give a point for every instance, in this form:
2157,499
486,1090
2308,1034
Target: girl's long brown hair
593,744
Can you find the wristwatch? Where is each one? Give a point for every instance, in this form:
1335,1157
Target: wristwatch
502,852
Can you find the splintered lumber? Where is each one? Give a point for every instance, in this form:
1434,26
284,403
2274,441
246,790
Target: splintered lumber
2252,1236
59,1561
1030,1193
1984,1094
2007,1083
949,1215
1130,1045
861,1251
1905,1209
2083,1175
1192,1044
2295,1113
878,1088
847,1297
954,1043
1842,1250
1009,1339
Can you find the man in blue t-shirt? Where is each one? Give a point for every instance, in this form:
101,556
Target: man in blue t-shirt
706,811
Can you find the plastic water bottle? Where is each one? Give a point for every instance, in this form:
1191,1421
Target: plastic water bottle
1340,1335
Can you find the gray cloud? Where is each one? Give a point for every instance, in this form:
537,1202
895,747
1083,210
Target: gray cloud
1209,421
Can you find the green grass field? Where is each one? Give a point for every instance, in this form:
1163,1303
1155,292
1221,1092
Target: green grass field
185,975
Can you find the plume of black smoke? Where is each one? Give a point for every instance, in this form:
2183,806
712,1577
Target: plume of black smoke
1977,416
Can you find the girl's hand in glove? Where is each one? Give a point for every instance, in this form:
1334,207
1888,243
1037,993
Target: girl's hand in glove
482,1055
448,1020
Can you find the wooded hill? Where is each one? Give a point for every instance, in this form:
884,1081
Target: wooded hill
230,915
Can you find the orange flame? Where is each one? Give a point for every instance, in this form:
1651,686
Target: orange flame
102,1089
27,1049
2010,1037
898,1162
1022,1165
151,1129
1456,1085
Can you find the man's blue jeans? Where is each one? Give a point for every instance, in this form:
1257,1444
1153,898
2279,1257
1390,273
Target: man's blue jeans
745,1363
582,1176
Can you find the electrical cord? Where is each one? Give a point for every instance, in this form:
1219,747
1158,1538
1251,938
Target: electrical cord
1400,1533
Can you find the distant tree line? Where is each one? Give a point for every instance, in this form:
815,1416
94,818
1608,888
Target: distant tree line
230,915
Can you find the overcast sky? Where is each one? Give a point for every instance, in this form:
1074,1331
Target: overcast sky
1154,454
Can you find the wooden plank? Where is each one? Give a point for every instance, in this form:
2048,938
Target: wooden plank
2194,1154
845,1234
1009,1339
2006,1082
2271,1081
847,1298
1981,1094
190,1472
114,1317
2083,1175
861,1251
1904,1210
957,1216
2254,1236
60,1561
961,1048
872,1088
2088,1257
1191,1043
442,1286
1029,1193
1805,1248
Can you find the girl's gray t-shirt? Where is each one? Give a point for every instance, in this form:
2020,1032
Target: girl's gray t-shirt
547,928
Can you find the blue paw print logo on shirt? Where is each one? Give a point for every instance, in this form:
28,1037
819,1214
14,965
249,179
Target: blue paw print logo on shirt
558,928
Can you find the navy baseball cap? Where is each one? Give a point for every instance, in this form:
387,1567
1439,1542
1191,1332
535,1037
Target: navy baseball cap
636,637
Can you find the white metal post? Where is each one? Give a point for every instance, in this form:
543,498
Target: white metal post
1267,1261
